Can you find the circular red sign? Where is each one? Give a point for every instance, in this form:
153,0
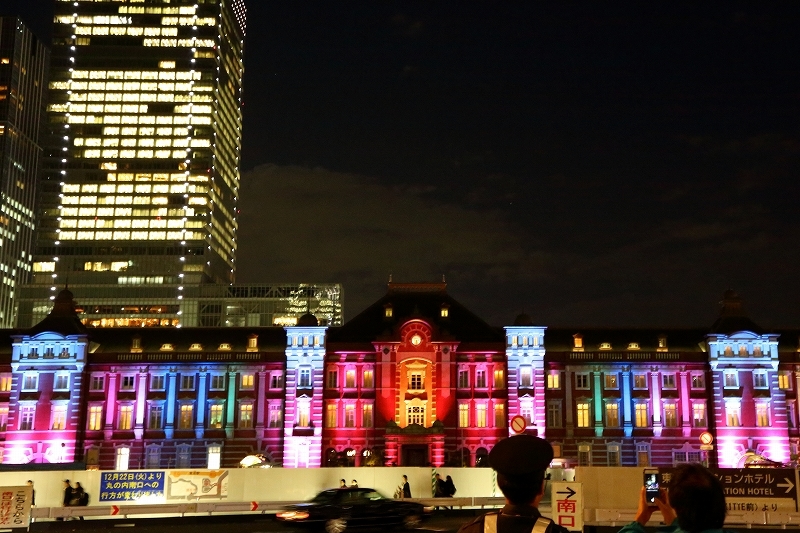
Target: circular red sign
706,438
518,424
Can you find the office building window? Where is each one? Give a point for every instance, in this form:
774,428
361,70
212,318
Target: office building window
247,381
760,379
582,380
554,414
415,414
95,421
214,457
304,378
122,458
463,415
275,415
127,383
611,381
61,381
584,454
583,414
762,414
668,381
642,415
186,420
526,410
276,380
331,415
698,380
613,451
217,382
731,378
499,379
332,378
699,415
183,456
303,413
97,383
30,383
187,382
480,415
215,416
640,381
367,381
59,417
27,413
612,414
246,416
642,454
125,421
554,380
157,382
415,381
670,415
5,382
463,379
480,378
350,415
366,415
733,413
500,415
785,380
350,378
152,457
155,417
525,377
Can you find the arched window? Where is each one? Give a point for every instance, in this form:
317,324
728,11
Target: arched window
482,458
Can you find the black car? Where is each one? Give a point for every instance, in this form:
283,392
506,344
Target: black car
339,509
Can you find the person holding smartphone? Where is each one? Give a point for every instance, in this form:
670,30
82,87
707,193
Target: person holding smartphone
694,503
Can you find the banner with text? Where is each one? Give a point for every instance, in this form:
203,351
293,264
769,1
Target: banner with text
15,506
131,486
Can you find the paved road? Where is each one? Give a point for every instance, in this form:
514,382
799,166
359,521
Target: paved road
438,522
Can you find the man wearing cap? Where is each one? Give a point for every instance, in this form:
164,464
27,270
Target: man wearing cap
520,462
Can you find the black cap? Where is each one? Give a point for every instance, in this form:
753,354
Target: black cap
521,455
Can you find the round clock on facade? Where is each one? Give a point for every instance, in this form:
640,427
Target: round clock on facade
416,340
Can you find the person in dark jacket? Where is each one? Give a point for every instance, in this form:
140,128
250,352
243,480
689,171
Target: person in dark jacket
406,488
520,462
67,496
78,497
449,487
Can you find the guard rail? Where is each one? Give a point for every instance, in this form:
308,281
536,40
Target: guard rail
210,508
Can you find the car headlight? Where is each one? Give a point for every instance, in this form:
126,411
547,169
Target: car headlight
292,515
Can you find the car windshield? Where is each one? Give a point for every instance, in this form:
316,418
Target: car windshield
326,496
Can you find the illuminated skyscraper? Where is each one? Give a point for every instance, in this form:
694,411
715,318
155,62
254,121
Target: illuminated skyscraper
141,169
23,64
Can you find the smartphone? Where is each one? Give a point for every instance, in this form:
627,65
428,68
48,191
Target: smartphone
652,483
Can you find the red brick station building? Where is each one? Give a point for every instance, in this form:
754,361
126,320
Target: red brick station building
416,379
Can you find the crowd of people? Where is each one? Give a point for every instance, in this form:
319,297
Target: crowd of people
74,496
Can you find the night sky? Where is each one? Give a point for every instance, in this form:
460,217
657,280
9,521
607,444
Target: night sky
591,164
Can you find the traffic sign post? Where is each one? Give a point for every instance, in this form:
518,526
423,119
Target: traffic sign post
518,424
567,504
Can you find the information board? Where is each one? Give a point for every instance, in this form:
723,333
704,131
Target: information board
567,504
15,506
755,489
131,486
